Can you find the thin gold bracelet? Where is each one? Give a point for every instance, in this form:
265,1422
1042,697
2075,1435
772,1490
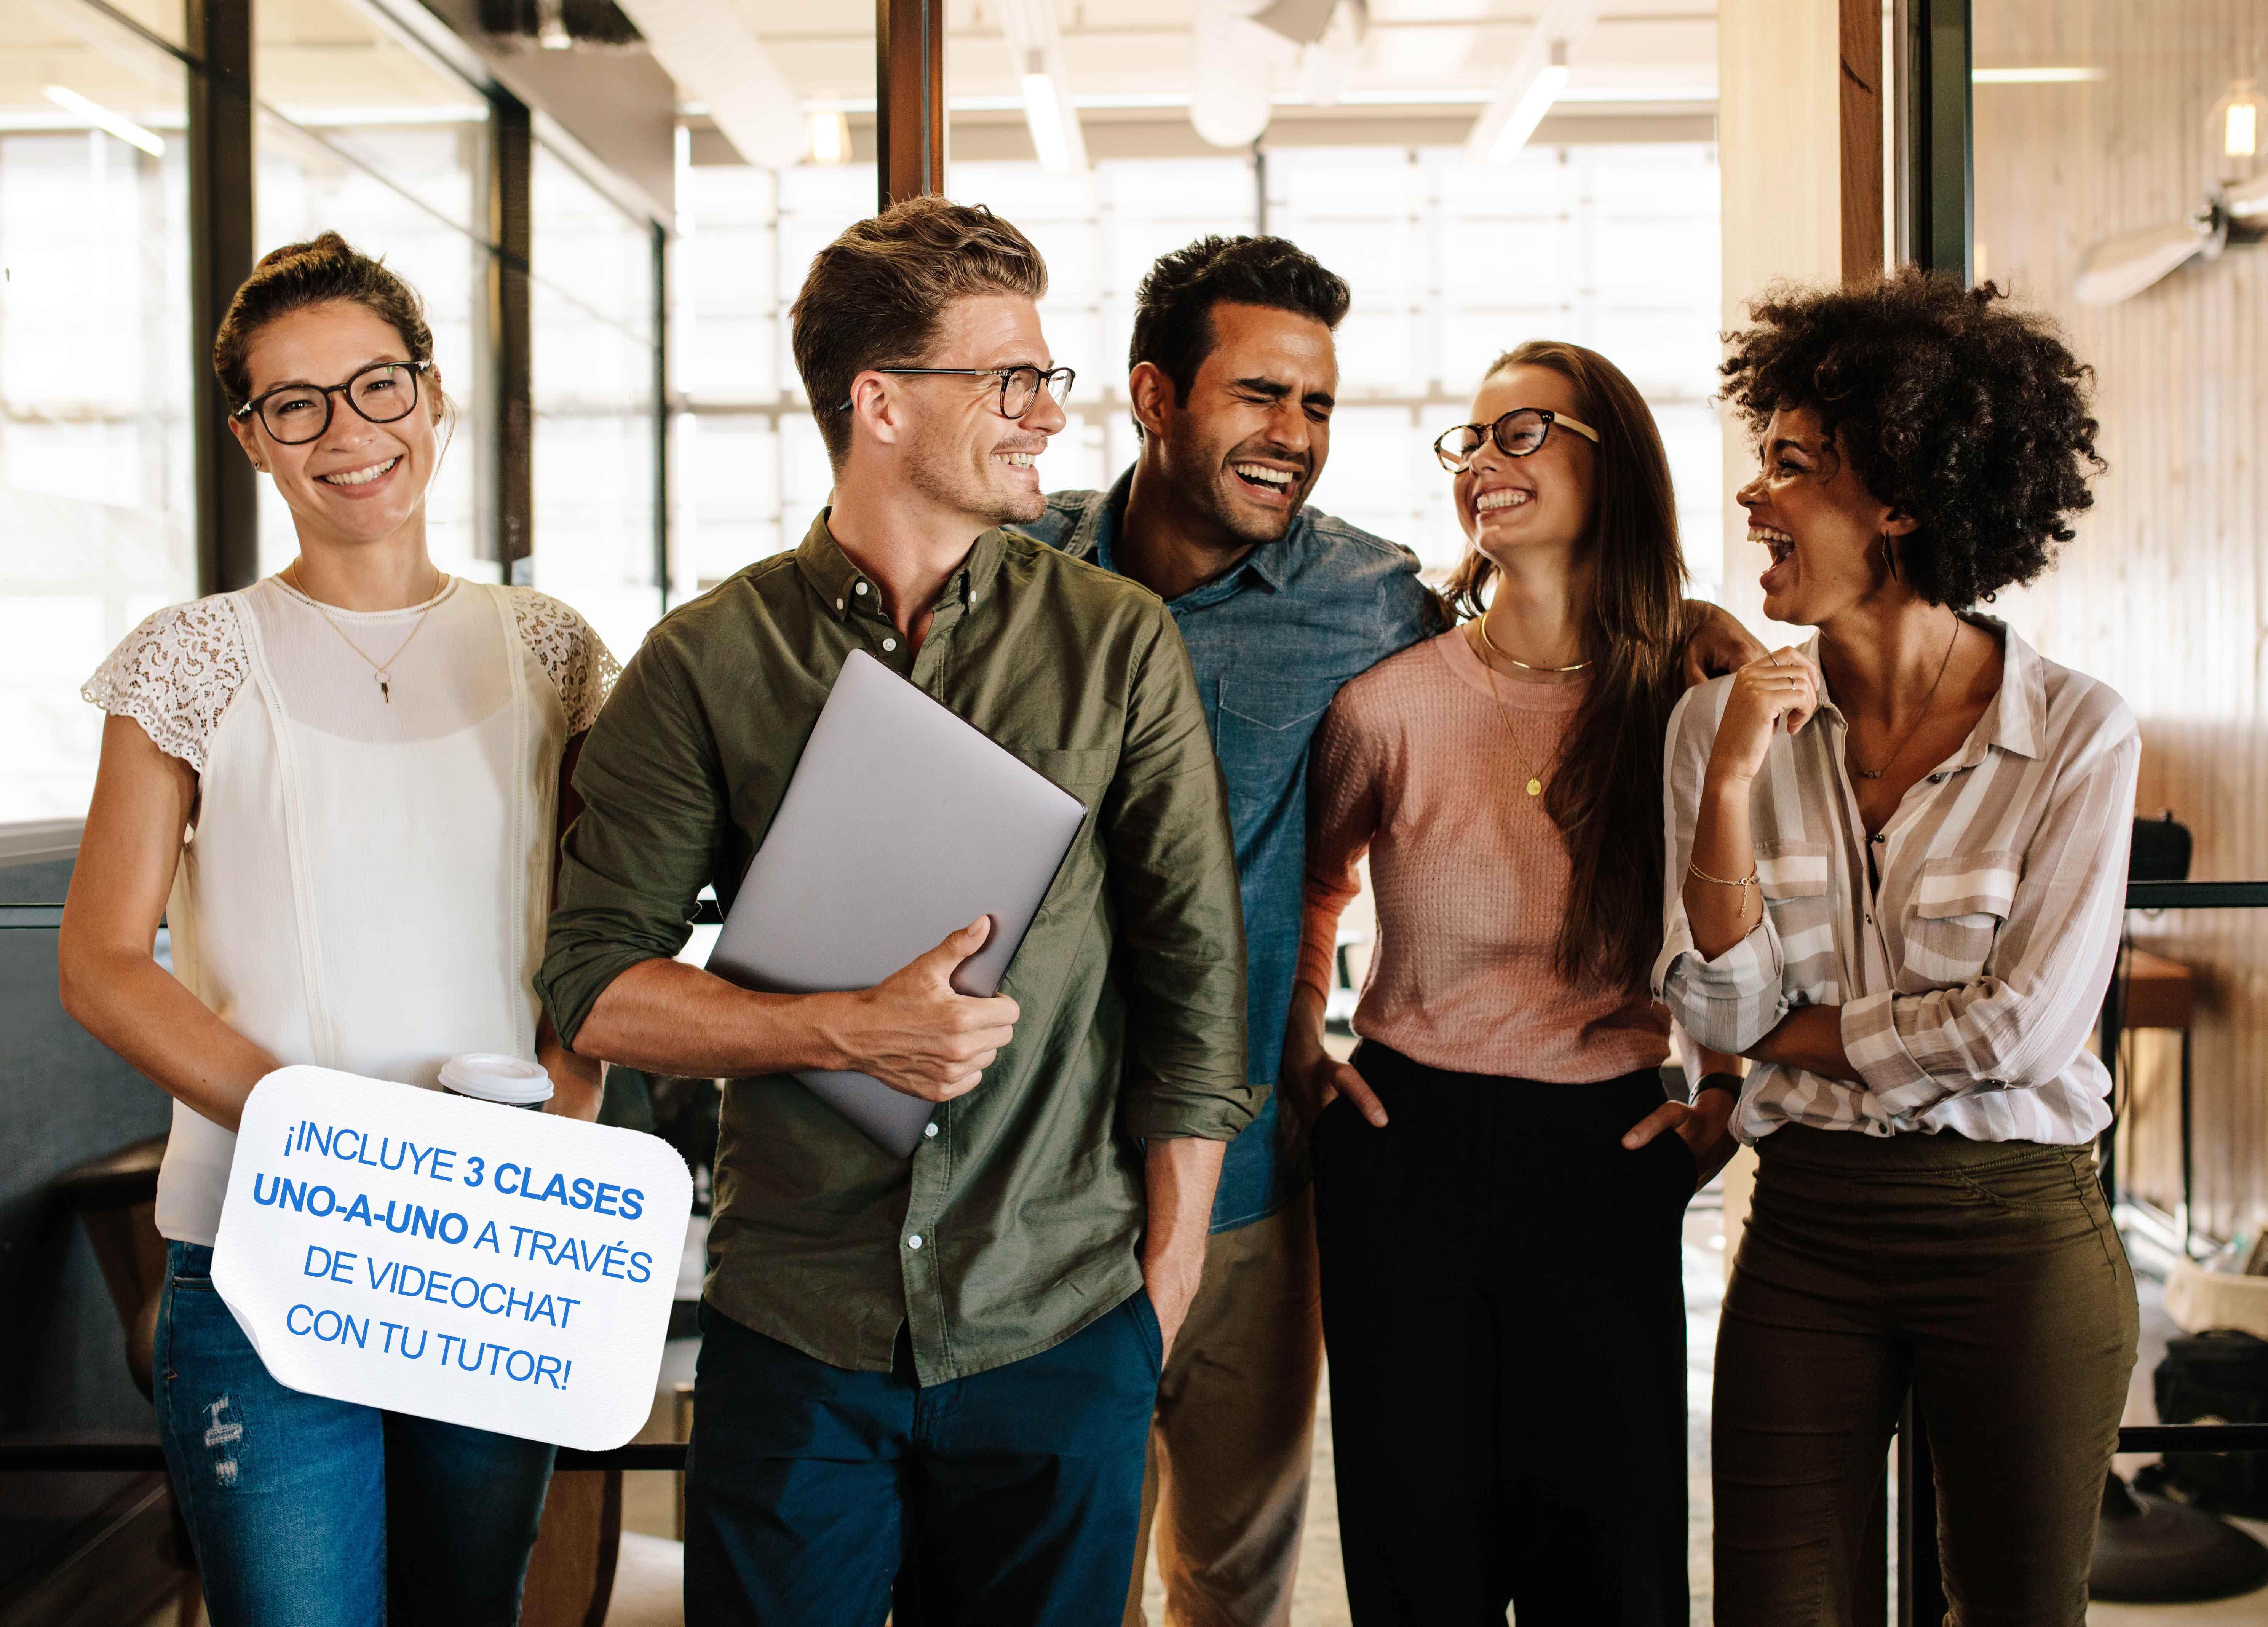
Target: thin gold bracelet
1744,883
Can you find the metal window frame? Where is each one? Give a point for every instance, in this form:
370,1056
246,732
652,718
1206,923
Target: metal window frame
221,111
1936,146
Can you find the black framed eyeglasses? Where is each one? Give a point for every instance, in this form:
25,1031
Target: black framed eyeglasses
295,414
1517,433
1020,387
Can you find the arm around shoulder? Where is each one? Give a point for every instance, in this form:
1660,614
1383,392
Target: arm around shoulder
1180,923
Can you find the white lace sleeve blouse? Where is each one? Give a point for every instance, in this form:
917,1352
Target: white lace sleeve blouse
365,882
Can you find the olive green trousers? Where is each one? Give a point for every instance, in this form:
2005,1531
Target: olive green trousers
1985,1277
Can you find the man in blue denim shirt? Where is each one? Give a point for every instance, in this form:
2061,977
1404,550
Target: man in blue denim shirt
1231,384
1232,379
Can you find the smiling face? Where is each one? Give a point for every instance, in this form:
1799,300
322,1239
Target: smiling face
1511,506
358,481
1824,530
1246,446
956,449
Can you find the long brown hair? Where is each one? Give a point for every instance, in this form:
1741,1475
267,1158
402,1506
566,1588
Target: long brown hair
1605,795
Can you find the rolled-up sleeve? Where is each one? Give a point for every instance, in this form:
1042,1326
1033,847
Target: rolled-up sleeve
637,856
2021,1023
1181,927
1731,1002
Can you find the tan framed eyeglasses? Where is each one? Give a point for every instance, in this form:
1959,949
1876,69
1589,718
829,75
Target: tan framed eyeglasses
1517,434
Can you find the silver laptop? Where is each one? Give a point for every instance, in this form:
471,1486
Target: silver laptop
901,824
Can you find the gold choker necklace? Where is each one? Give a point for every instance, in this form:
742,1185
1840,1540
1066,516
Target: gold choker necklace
1499,652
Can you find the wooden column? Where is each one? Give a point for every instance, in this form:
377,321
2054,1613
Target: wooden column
1859,28
908,97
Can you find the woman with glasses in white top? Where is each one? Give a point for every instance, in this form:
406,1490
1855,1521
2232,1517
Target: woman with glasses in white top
341,788
1898,862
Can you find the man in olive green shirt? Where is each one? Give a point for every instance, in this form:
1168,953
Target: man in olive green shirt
941,1369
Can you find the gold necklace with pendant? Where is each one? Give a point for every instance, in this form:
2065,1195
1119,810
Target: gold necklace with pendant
1534,786
382,670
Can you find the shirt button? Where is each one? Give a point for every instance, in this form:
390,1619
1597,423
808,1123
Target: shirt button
914,1241
838,604
889,643
929,1130
859,587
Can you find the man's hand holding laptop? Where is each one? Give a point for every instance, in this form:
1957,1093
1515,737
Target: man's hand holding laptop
915,1032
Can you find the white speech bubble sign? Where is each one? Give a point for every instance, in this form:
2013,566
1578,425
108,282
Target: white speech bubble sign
452,1259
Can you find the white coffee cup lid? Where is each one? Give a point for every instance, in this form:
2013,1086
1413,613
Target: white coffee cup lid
493,1077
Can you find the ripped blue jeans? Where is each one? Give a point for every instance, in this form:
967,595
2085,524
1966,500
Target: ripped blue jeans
312,1512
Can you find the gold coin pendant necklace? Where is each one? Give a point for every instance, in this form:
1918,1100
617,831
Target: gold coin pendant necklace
382,670
1534,786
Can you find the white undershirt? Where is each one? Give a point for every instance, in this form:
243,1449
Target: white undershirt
366,880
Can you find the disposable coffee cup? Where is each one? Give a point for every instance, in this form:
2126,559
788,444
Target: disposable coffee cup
490,1076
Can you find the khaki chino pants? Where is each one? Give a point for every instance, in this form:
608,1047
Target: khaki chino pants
1985,1276
1226,1490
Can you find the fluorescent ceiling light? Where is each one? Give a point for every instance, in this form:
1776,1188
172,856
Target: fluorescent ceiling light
830,138
1533,103
1532,81
2035,76
101,117
1043,115
1035,57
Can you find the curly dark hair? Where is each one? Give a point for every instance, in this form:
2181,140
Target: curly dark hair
1962,413
1173,306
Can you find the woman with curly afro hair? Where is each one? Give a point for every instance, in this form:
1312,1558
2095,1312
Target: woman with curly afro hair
1897,861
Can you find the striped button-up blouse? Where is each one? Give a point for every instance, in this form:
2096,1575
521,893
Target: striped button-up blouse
1969,960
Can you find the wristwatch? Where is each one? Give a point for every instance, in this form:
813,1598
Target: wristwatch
1729,1083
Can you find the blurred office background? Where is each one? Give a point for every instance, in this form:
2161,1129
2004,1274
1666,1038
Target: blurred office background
608,207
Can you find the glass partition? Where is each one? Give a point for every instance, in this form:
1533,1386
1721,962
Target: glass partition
596,414
2111,137
363,133
96,357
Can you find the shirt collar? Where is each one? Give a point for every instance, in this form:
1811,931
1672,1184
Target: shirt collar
837,580
2017,719
1096,533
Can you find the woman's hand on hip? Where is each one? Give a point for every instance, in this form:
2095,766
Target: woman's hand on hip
1310,1079
1705,1125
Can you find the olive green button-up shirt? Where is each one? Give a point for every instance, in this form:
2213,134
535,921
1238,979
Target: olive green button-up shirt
1028,1201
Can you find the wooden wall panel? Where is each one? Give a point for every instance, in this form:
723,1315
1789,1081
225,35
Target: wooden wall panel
2161,594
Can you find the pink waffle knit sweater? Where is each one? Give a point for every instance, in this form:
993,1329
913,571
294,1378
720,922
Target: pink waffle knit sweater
1415,764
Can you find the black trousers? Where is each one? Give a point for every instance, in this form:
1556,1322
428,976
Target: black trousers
1504,1315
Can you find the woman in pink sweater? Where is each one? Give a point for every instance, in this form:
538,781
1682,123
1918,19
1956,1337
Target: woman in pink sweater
1498,1211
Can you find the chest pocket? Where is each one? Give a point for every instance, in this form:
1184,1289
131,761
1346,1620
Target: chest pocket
1262,737
1794,877
1960,902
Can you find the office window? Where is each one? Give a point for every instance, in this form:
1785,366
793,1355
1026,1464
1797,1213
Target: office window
96,470
1450,265
365,135
593,302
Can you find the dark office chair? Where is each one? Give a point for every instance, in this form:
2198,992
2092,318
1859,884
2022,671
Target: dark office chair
2148,1549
